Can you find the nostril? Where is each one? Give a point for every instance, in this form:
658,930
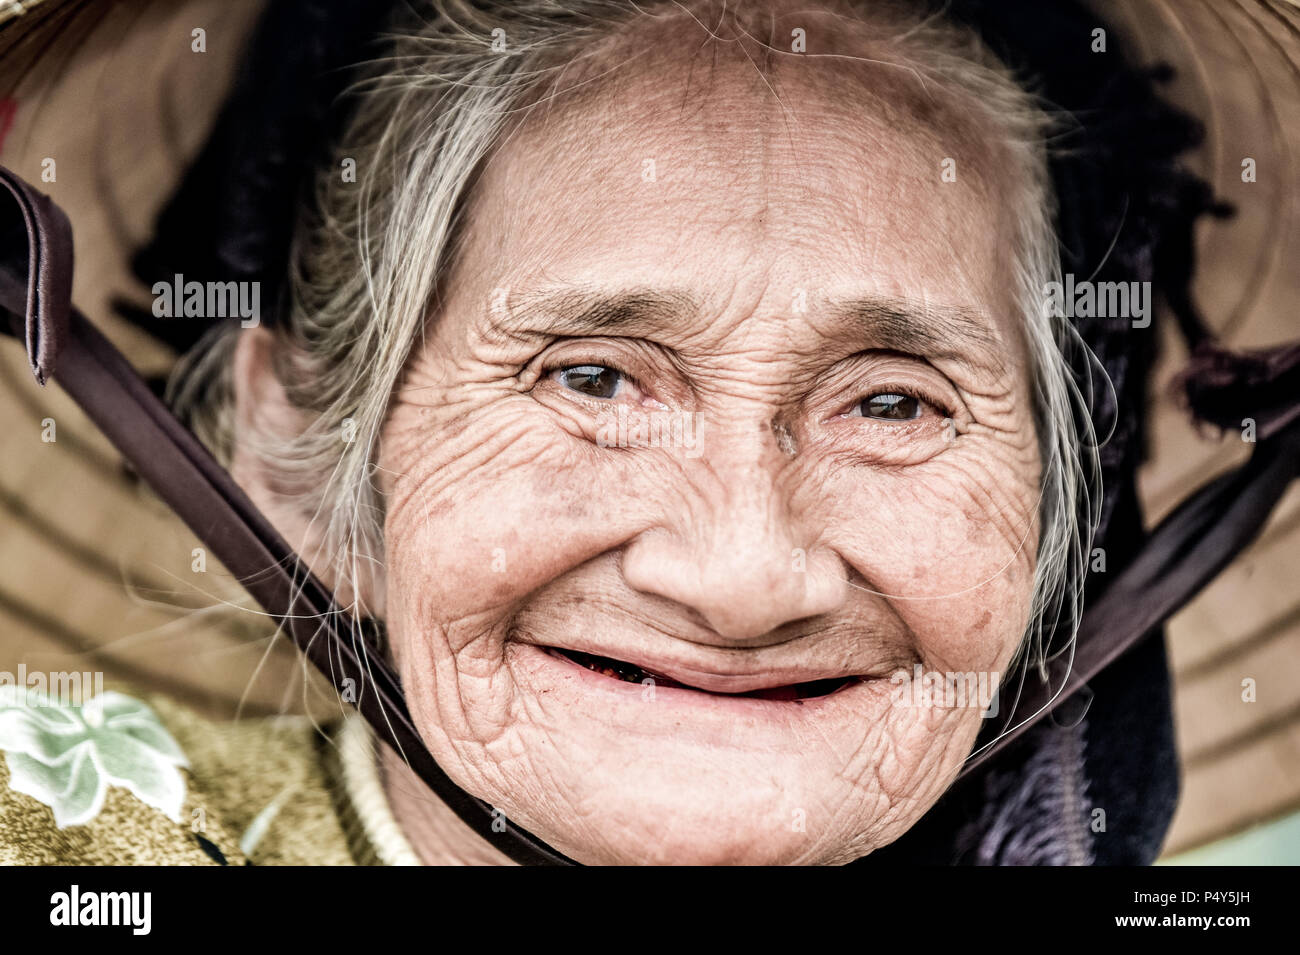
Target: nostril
740,593
754,611
765,596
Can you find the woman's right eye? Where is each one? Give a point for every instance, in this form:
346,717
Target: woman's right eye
890,406
592,381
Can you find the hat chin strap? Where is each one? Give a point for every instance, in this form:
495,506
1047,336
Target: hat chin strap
1183,554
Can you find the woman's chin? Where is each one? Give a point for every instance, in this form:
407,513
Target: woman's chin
645,817
718,840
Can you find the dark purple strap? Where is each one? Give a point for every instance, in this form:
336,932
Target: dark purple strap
1183,554
46,243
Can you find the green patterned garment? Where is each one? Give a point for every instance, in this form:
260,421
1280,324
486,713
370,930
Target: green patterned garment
125,781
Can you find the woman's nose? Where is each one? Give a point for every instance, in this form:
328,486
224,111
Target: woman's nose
734,553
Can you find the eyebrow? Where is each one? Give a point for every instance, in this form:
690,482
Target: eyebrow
941,332
923,329
580,311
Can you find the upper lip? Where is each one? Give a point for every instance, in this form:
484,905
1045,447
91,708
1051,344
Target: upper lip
720,670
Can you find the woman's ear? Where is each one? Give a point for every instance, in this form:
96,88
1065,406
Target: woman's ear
266,420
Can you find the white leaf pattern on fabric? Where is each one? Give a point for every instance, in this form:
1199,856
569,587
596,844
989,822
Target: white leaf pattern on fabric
67,756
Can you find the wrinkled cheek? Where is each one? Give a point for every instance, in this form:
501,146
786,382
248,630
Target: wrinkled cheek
928,741
974,622
452,678
908,755
474,527
954,560
475,530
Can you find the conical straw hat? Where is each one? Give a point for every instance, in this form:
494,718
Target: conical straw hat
97,575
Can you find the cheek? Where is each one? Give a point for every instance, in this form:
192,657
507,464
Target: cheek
951,545
488,505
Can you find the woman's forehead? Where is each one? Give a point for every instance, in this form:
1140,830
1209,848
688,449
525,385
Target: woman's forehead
789,185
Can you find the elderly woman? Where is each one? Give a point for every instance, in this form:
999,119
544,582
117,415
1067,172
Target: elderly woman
640,654
688,395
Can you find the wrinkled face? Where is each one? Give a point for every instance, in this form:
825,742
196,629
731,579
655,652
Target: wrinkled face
721,429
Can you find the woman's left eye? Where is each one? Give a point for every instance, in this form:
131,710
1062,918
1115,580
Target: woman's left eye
592,381
888,406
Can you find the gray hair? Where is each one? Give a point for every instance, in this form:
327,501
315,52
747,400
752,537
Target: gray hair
368,256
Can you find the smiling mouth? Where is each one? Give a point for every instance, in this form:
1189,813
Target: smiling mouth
631,673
